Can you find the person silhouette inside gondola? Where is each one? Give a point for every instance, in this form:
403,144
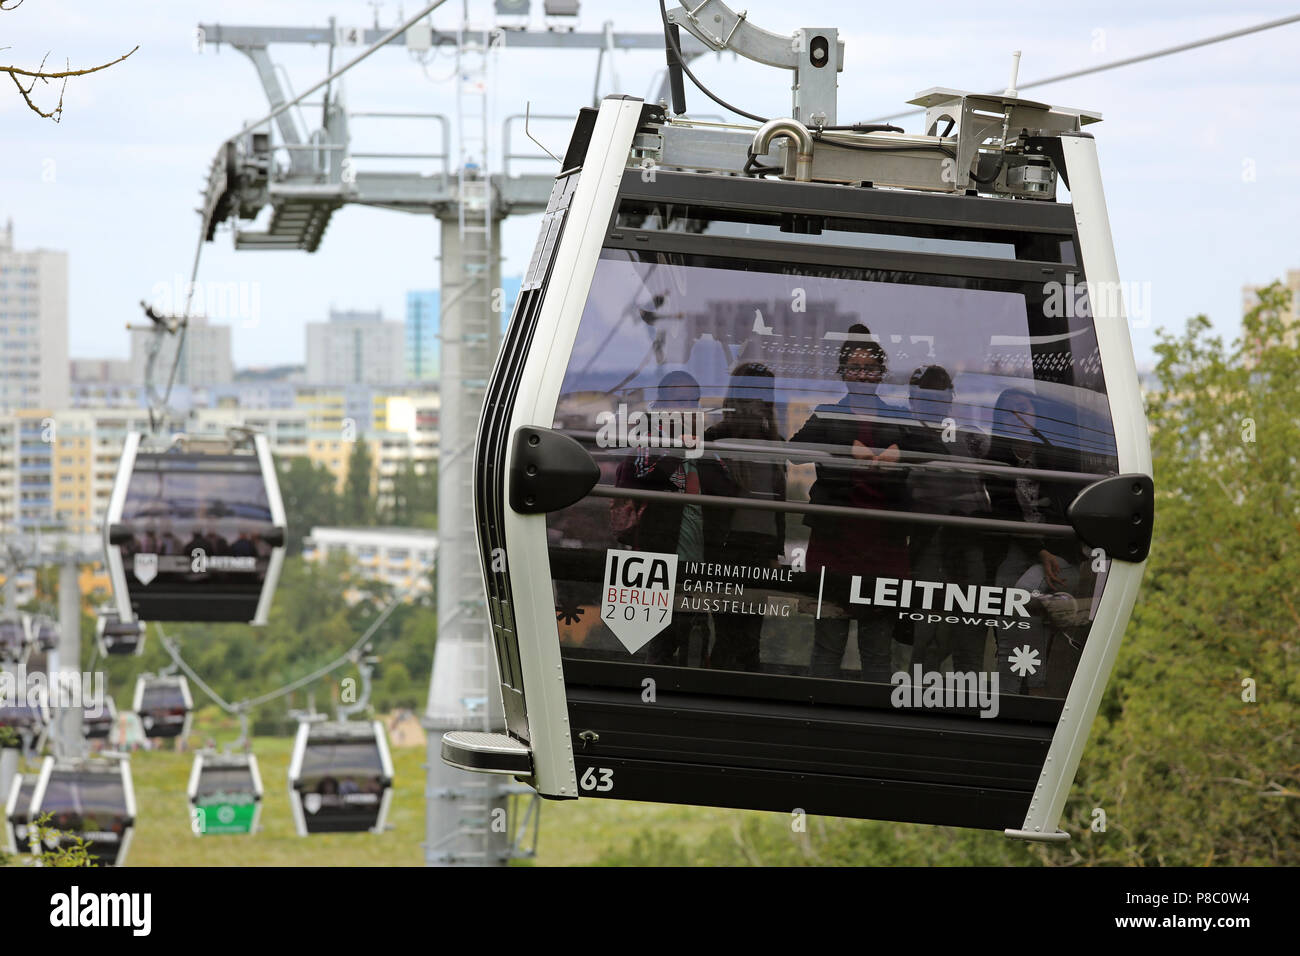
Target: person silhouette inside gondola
745,536
854,443
665,527
243,546
1030,561
948,553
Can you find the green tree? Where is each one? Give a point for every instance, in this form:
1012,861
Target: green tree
358,496
310,498
1194,754
415,497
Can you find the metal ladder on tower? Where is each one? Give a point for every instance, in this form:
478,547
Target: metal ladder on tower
474,211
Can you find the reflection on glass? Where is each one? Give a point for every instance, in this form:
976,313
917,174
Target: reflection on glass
816,405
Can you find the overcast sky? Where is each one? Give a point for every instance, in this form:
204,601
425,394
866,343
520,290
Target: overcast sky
1199,151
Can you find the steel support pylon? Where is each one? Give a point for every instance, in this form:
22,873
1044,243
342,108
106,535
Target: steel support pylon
466,813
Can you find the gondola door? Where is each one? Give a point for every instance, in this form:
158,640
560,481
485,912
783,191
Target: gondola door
819,497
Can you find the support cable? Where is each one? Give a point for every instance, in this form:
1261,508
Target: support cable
1129,61
249,703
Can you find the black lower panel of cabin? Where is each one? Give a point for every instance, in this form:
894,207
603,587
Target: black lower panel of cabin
782,756
326,821
195,607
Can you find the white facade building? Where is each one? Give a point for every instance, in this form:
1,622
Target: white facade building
400,557
33,326
205,359
356,348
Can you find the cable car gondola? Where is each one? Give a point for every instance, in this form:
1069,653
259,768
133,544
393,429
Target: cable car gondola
100,726
92,799
164,705
116,636
340,777
15,639
45,634
225,793
17,804
20,714
820,495
196,532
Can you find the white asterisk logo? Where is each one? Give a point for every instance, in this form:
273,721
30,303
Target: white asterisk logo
1024,661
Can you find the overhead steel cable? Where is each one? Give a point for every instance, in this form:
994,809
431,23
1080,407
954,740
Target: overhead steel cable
1129,61
245,705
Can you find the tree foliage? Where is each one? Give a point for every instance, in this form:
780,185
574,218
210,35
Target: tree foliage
1195,753
310,625
310,498
358,506
415,498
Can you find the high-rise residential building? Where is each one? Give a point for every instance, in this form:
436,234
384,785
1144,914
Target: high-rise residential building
356,348
423,344
423,354
205,355
33,326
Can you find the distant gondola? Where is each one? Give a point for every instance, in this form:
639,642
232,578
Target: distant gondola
225,794
117,637
24,716
45,634
340,777
100,726
92,799
15,639
196,532
164,705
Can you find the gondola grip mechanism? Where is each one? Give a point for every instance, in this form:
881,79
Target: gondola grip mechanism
1116,514
548,471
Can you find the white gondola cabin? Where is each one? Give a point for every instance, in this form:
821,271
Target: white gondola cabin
92,799
98,722
225,794
340,777
118,637
815,463
15,638
164,705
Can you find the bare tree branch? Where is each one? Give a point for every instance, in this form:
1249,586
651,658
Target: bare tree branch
13,70
44,77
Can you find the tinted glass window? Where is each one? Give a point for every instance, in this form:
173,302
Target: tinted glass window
340,759
164,697
84,794
229,780
180,506
820,472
